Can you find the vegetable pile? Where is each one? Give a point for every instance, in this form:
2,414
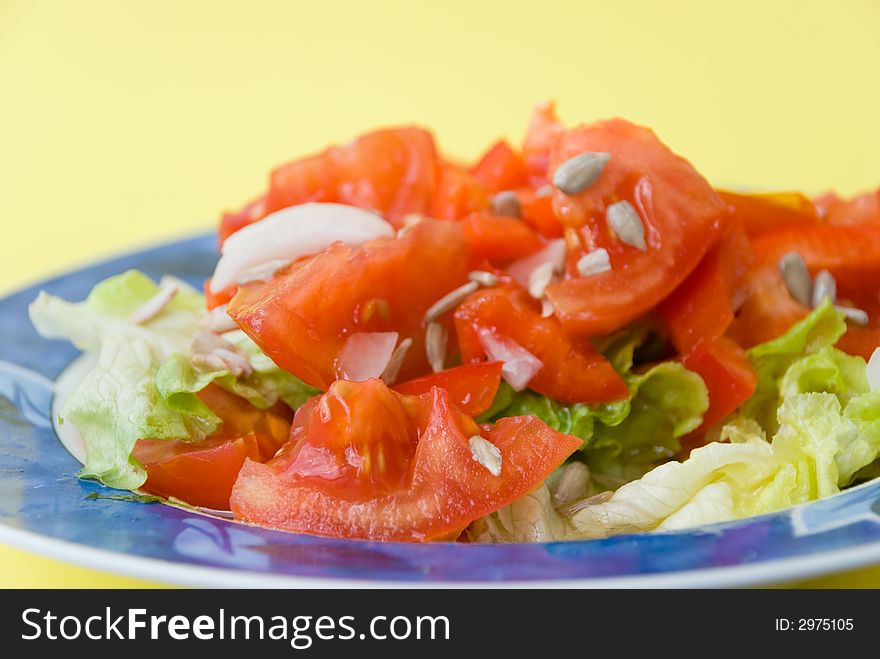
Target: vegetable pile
570,339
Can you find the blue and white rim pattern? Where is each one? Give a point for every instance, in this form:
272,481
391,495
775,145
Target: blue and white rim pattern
44,508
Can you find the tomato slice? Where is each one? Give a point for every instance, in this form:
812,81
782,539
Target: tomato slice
760,213
768,310
728,375
538,213
457,193
472,387
681,212
858,210
499,239
203,473
861,341
302,318
543,131
501,168
407,475
573,372
390,171
703,306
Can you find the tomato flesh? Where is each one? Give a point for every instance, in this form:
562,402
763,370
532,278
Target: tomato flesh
457,193
681,213
472,387
543,131
302,318
501,168
761,213
572,372
499,239
443,490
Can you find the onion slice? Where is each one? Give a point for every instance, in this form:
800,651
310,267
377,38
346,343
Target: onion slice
520,366
873,371
292,233
365,355
553,253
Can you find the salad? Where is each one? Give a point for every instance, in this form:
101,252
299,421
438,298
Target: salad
569,339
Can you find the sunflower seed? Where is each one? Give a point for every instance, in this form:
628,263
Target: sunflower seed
540,279
450,301
262,273
483,278
154,306
409,221
238,365
546,308
796,277
506,203
856,316
217,320
389,375
594,263
625,222
205,342
544,191
573,484
824,285
580,172
435,346
486,453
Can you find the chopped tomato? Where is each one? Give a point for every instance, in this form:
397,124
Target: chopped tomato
501,168
760,213
861,341
232,222
457,193
302,318
537,212
218,299
472,387
543,131
850,252
768,310
499,239
390,171
370,463
728,375
858,210
203,473
681,213
572,372
703,306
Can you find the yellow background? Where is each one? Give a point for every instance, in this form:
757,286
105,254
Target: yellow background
124,123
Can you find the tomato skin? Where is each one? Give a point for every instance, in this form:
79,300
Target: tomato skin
472,387
301,319
764,212
543,131
681,212
499,239
457,193
390,171
858,210
232,222
501,168
703,306
728,375
203,473
861,341
538,213
850,252
573,372
445,491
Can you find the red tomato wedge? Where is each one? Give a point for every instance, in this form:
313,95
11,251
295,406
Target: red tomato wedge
472,387
703,306
501,168
390,171
499,239
572,372
538,213
457,193
408,474
760,213
850,252
302,318
858,210
768,310
728,375
543,131
203,473
681,213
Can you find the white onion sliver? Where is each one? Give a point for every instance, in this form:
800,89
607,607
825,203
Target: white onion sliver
292,233
520,366
873,371
365,355
554,253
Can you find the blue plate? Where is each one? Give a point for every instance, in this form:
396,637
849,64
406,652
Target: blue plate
45,509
